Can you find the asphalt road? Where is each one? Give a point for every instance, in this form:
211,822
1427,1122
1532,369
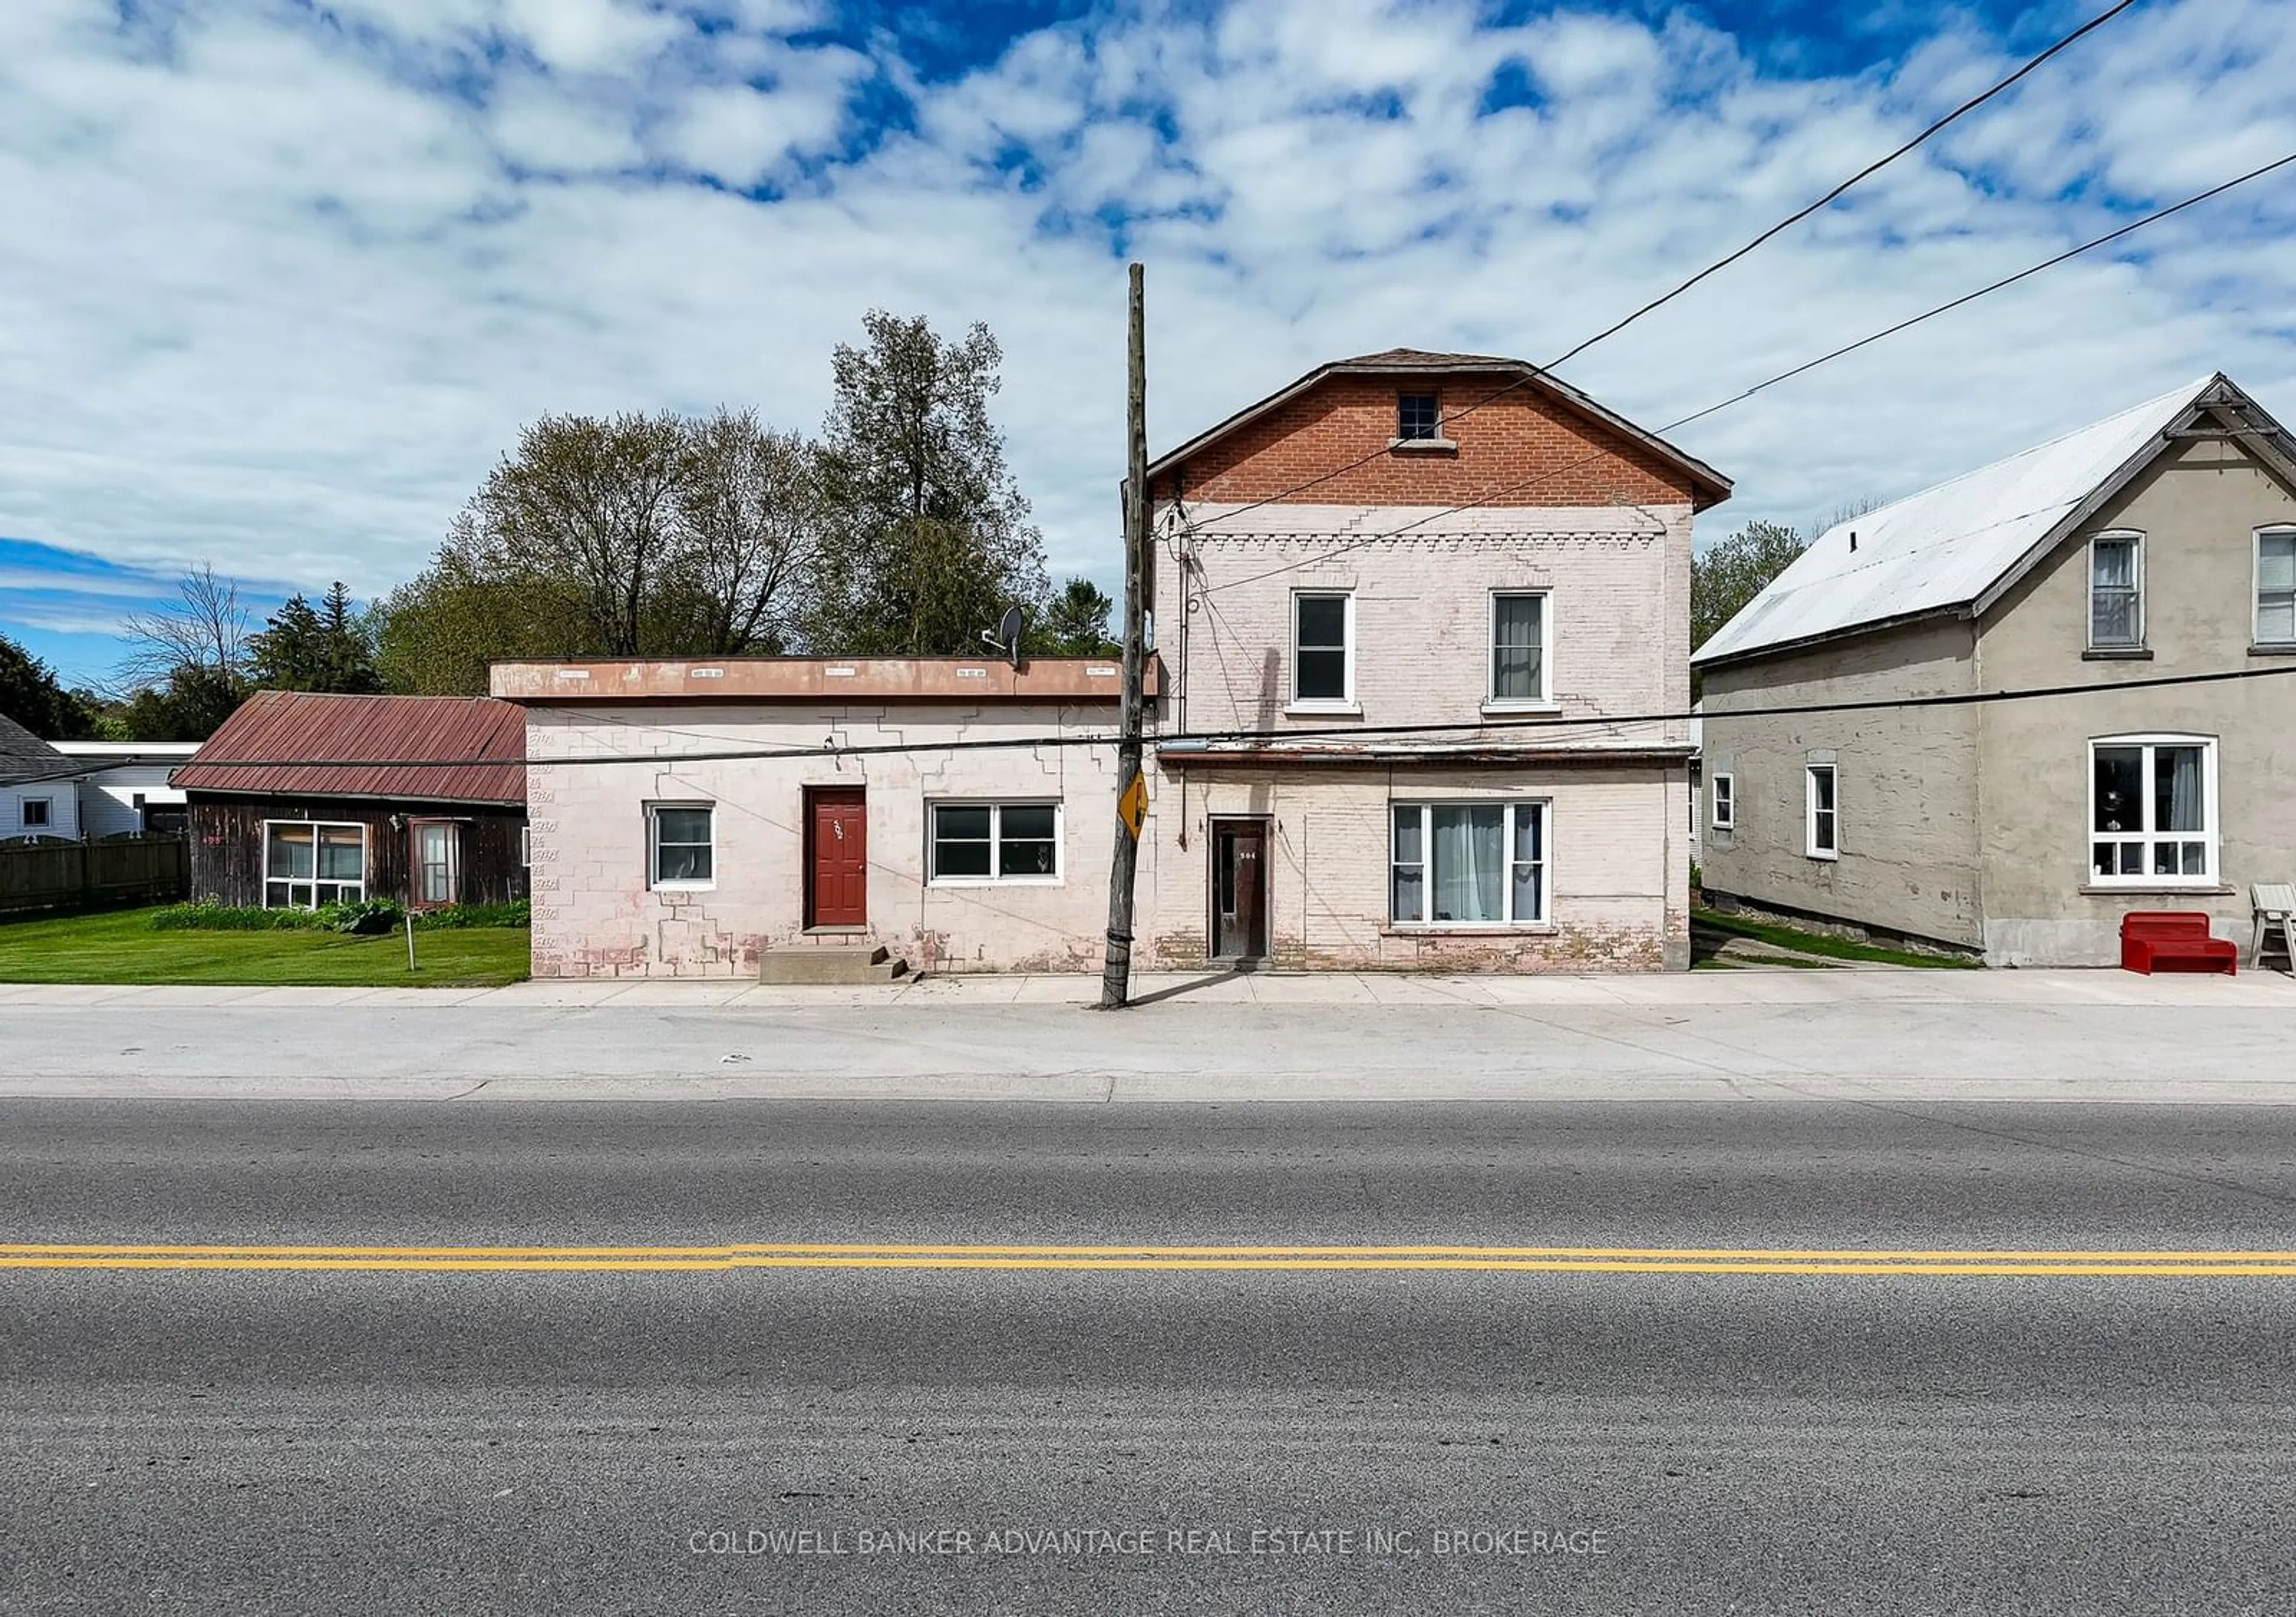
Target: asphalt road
419,1440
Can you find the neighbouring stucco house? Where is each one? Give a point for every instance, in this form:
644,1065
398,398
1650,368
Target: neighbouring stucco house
304,798
38,794
2155,546
696,818
1445,600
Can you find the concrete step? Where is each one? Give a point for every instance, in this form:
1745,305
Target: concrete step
840,963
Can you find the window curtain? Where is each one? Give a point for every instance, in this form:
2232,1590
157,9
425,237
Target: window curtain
2176,788
1470,863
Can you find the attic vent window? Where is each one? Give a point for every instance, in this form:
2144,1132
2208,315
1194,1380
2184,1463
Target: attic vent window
1418,418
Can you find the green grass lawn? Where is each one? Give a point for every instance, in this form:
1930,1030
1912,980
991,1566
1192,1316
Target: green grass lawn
120,946
1818,944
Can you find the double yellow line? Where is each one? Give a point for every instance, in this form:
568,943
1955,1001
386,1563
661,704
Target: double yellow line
1483,1260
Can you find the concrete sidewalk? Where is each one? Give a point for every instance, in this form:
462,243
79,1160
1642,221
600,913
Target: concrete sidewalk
1172,993
1759,1038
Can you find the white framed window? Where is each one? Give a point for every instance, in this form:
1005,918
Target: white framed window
525,847
2153,811
307,863
1726,800
681,845
1518,675
36,813
1468,864
1821,814
1322,649
2115,592
977,843
2275,586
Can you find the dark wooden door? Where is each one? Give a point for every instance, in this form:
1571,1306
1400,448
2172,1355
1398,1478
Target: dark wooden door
1239,889
837,882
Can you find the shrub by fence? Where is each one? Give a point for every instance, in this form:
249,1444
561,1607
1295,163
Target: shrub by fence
94,874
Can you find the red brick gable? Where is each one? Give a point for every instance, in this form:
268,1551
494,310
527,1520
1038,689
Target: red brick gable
1534,444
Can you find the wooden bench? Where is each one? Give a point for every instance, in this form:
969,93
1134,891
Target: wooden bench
2174,940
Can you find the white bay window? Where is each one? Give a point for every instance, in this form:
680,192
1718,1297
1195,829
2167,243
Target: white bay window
1469,864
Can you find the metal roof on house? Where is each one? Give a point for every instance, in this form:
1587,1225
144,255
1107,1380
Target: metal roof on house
24,756
1709,487
1955,546
424,748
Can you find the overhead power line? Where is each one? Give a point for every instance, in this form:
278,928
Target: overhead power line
1739,398
1214,737
1834,195
1872,169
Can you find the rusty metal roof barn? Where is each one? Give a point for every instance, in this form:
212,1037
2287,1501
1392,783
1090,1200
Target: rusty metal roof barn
424,748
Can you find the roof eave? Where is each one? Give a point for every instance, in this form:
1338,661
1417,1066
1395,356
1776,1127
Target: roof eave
1804,642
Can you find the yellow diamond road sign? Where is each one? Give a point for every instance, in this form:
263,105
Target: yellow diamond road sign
1132,807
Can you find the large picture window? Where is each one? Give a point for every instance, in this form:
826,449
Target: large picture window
2275,586
1519,648
306,864
990,842
1469,864
683,851
2153,812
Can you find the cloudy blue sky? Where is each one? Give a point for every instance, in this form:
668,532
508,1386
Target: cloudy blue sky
280,278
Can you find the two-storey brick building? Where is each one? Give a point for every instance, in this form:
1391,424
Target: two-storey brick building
1420,616
1415,614
1874,754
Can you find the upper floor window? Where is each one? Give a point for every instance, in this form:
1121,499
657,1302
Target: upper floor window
1418,417
2275,586
2152,810
1518,648
2116,590
1821,828
1322,649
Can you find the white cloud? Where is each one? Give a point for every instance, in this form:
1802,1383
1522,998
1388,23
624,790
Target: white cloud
539,127
740,133
271,295
592,36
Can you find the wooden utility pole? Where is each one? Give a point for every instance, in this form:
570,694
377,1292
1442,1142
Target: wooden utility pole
1131,784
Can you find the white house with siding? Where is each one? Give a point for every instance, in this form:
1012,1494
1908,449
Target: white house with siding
125,789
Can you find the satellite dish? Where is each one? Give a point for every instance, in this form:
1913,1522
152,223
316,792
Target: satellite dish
1006,635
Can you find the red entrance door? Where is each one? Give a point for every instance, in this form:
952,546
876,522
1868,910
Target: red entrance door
837,863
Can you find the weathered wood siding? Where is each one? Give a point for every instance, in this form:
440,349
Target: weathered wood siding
228,845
